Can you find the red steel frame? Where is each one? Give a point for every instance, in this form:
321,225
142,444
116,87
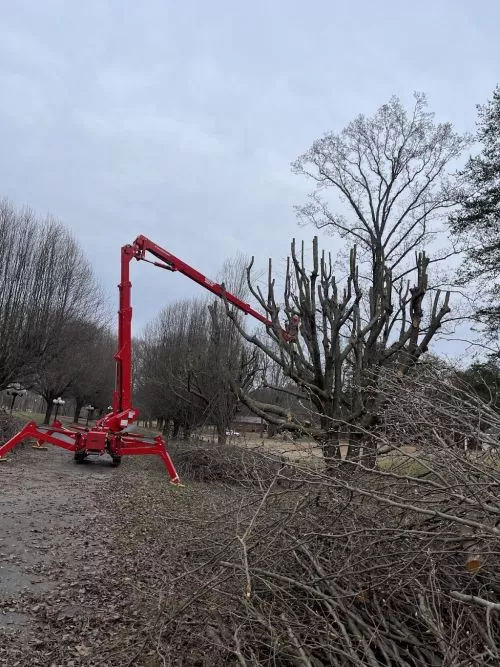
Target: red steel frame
110,434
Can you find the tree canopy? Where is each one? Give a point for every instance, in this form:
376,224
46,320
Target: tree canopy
478,221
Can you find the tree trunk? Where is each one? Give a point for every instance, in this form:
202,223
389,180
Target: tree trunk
221,434
78,409
369,452
48,412
356,446
272,430
370,423
331,450
175,432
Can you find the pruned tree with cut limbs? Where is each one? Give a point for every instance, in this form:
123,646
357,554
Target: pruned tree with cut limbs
382,186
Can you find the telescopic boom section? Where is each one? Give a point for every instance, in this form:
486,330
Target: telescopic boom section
122,399
172,263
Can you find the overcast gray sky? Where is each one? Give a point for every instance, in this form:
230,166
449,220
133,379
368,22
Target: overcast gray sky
179,120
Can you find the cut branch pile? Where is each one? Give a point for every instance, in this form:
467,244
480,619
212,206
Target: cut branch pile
396,565
198,461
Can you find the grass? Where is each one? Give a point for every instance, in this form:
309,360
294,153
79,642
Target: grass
401,465
28,416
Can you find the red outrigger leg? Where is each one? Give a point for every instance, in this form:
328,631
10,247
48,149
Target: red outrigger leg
137,445
94,441
54,434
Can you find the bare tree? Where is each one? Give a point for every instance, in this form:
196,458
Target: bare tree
94,383
19,343
45,281
390,174
227,360
75,366
169,351
188,359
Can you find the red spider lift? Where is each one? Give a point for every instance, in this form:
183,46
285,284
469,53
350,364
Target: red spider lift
112,434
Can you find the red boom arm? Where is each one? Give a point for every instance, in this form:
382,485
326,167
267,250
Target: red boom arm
122,402
172,263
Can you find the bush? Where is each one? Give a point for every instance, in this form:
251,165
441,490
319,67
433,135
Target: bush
9,426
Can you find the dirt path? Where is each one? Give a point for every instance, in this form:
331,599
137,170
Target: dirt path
46,504
58,575
93,559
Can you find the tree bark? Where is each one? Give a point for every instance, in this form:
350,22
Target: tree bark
272,430
48,412
221,434
331,450
369,452
78,409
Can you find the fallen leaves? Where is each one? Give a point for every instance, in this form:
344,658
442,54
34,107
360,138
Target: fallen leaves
97,563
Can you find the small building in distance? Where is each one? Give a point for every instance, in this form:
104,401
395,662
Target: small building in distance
246,422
